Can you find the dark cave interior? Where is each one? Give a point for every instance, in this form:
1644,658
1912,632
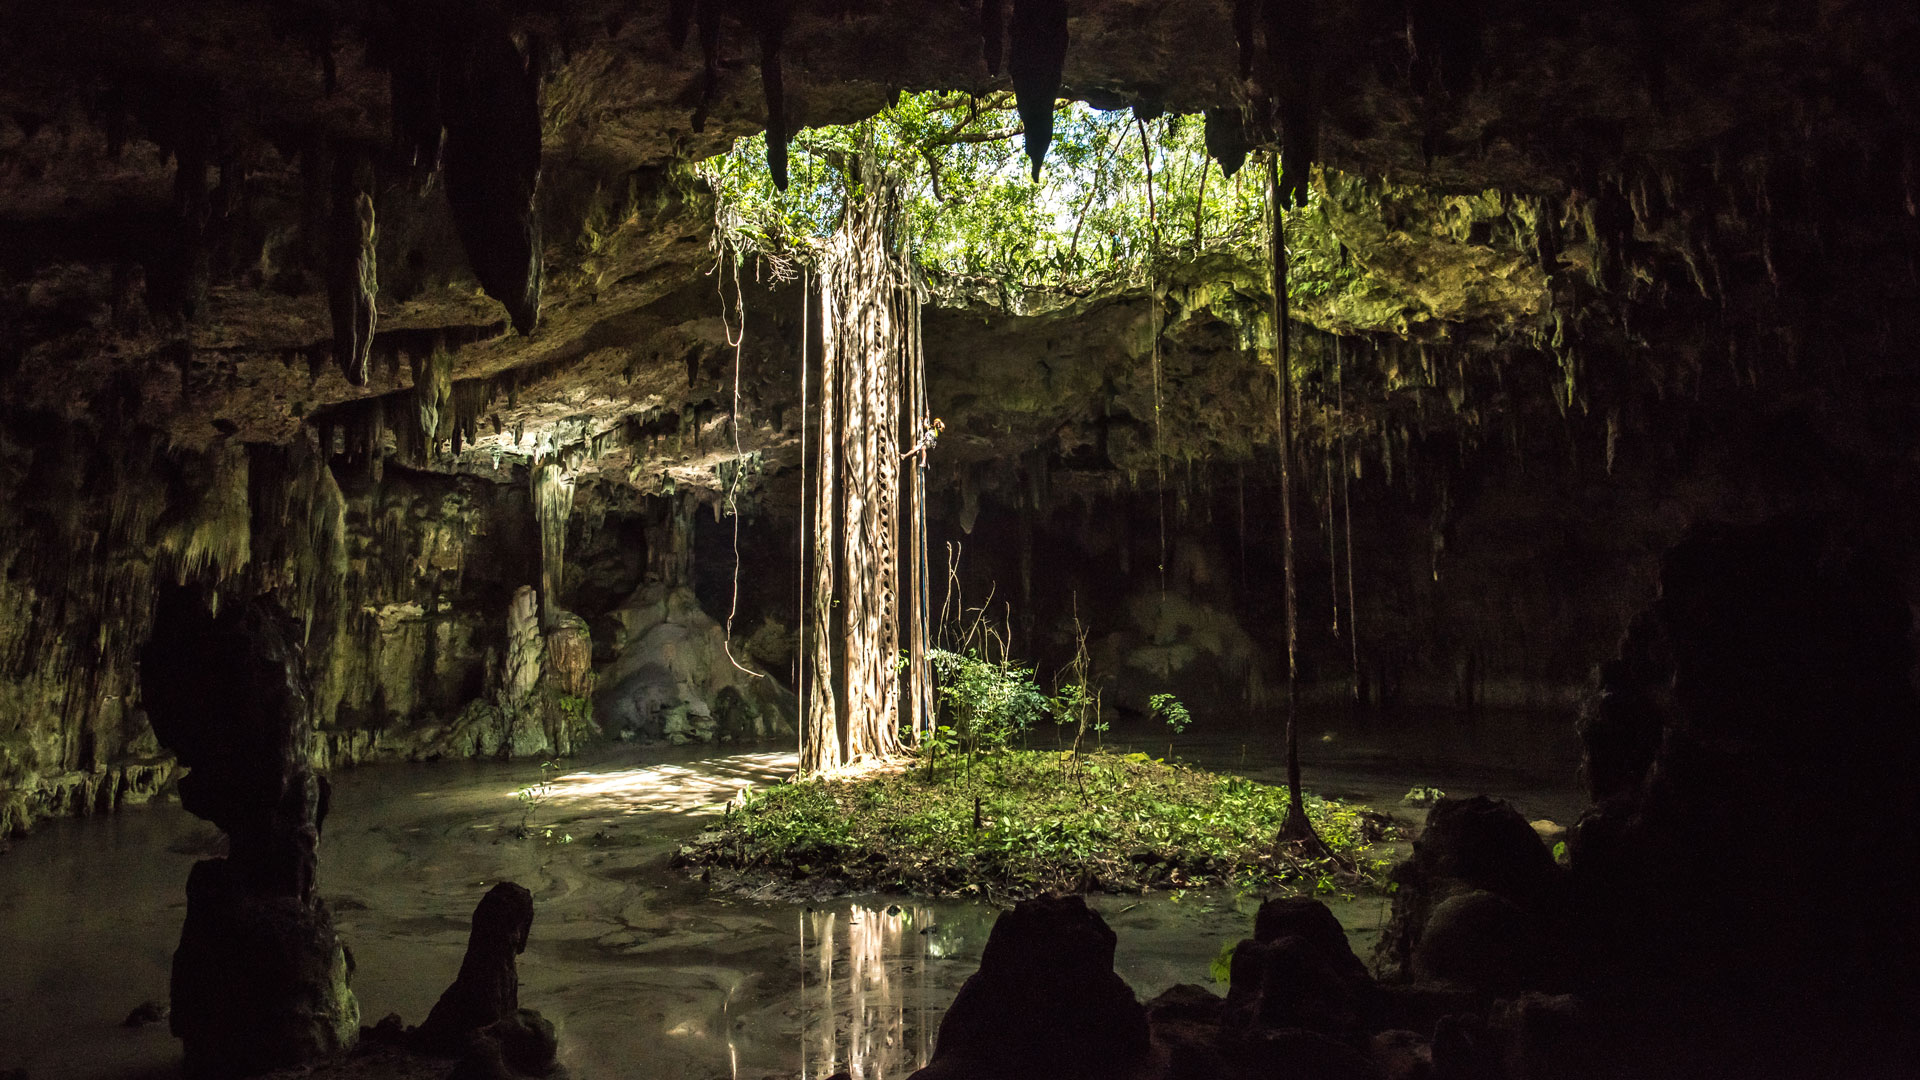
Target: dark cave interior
412,433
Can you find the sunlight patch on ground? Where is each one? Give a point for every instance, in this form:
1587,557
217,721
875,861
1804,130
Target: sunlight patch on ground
677,787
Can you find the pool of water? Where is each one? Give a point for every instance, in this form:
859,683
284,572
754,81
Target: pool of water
642,968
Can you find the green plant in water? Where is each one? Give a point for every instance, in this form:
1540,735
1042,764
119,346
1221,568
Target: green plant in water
1220,968
533,796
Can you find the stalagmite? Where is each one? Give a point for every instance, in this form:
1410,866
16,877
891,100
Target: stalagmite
260,977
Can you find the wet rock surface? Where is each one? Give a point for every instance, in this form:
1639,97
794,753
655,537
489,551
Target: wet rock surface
1480,902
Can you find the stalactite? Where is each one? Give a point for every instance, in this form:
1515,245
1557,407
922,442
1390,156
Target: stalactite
431,419
770,17
679,21
493,165
1036,60
1226,138
416,72
706,16
1243,35
353,285
552,504
1445,38
1292,50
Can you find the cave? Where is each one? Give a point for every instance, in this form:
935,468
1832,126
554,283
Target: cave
959,539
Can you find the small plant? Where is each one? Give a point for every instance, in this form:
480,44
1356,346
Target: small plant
577,710
992,702
1076,698
1423,796
1220,968
1168,708
534,795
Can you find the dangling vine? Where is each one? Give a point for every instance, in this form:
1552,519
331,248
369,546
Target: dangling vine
1297,827
1346,507
736,341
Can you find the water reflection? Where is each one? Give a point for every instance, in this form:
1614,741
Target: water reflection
875,981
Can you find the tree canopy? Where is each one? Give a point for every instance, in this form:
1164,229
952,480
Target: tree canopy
1120,196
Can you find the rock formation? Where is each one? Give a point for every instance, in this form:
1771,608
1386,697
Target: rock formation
1045,1002
260,981
676,678
1480,904
1777,659
487,989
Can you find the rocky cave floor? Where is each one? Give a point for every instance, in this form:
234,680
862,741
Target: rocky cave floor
633,961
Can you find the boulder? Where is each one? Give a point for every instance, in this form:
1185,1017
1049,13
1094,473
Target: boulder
1482,940
1483,863
1292,982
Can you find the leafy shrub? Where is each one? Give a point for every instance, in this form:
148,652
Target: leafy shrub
989,704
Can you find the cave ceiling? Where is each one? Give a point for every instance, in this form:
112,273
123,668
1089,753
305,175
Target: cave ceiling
1488,163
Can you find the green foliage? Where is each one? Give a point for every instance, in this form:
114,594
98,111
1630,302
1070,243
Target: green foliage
1220,968
1073,703
576,709
1168,708
1560,852
991,703
1118,823
532,797
1120,197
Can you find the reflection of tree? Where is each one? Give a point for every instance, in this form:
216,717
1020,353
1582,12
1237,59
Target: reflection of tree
864,992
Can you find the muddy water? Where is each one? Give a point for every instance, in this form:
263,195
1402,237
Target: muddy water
645,971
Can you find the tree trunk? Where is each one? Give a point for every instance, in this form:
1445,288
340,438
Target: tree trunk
869,321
